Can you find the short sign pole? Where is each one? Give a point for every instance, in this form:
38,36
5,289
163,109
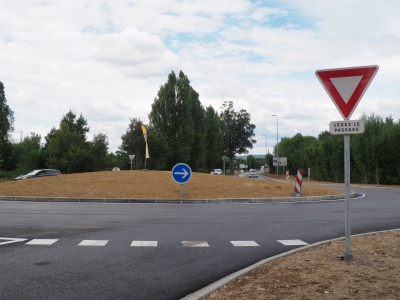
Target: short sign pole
131,157
224,159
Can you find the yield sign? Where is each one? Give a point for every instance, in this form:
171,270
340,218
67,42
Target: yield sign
346,86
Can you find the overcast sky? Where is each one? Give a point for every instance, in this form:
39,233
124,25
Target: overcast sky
107,60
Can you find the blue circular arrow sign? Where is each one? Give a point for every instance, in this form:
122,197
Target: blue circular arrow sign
181,173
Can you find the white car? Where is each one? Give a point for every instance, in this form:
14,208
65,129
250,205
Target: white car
253,173
216,172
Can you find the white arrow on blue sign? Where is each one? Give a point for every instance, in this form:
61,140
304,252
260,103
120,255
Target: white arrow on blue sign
181,173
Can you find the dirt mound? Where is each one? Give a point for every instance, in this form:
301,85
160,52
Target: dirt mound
154,185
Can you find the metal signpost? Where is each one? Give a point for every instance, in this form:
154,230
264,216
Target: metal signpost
346,87
224,159
181,174
131,157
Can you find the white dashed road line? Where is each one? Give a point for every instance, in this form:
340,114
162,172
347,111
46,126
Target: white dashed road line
244,244
144,244
101,243
195,244
93,243
292,242
42,242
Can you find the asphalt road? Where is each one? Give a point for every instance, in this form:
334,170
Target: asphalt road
165,268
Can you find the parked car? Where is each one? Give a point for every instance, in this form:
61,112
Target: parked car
253,173
39,173
216,172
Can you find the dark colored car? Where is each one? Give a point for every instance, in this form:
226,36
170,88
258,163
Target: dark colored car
39,173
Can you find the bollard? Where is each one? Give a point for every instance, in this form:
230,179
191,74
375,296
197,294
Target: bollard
297,186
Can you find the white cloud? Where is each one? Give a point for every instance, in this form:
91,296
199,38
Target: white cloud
264,13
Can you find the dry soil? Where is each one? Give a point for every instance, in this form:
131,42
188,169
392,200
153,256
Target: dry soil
373,273
154,185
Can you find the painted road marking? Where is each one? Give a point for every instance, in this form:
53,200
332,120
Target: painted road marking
292,242
93,243
244,244
42,242
144,244
49,242
11,240
195,244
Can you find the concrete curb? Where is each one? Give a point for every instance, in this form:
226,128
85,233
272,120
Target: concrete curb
181,201
204,292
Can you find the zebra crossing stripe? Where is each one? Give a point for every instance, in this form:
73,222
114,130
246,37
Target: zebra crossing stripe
42,242
93,243
292,242
48,242
144,244
244,244
195,244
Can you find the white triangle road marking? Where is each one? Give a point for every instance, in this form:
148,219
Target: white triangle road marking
11,240
346,86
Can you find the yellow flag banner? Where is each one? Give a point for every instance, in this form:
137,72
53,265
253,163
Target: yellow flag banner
147,151
145,139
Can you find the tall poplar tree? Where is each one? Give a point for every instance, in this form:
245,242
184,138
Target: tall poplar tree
214,135
6,128
172,116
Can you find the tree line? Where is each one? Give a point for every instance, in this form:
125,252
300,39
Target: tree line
374,154
180,129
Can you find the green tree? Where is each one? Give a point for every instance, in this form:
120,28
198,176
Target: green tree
391,139
78,125
6,128
68,152
119,159
197,153
294,148
67,148
99,150
171,116
133,143
238,131
367,149
213,142
29,152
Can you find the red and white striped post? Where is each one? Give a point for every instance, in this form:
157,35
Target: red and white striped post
287,175
236,173
299,181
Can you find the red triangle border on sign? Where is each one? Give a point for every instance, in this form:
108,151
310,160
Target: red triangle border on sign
346,109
